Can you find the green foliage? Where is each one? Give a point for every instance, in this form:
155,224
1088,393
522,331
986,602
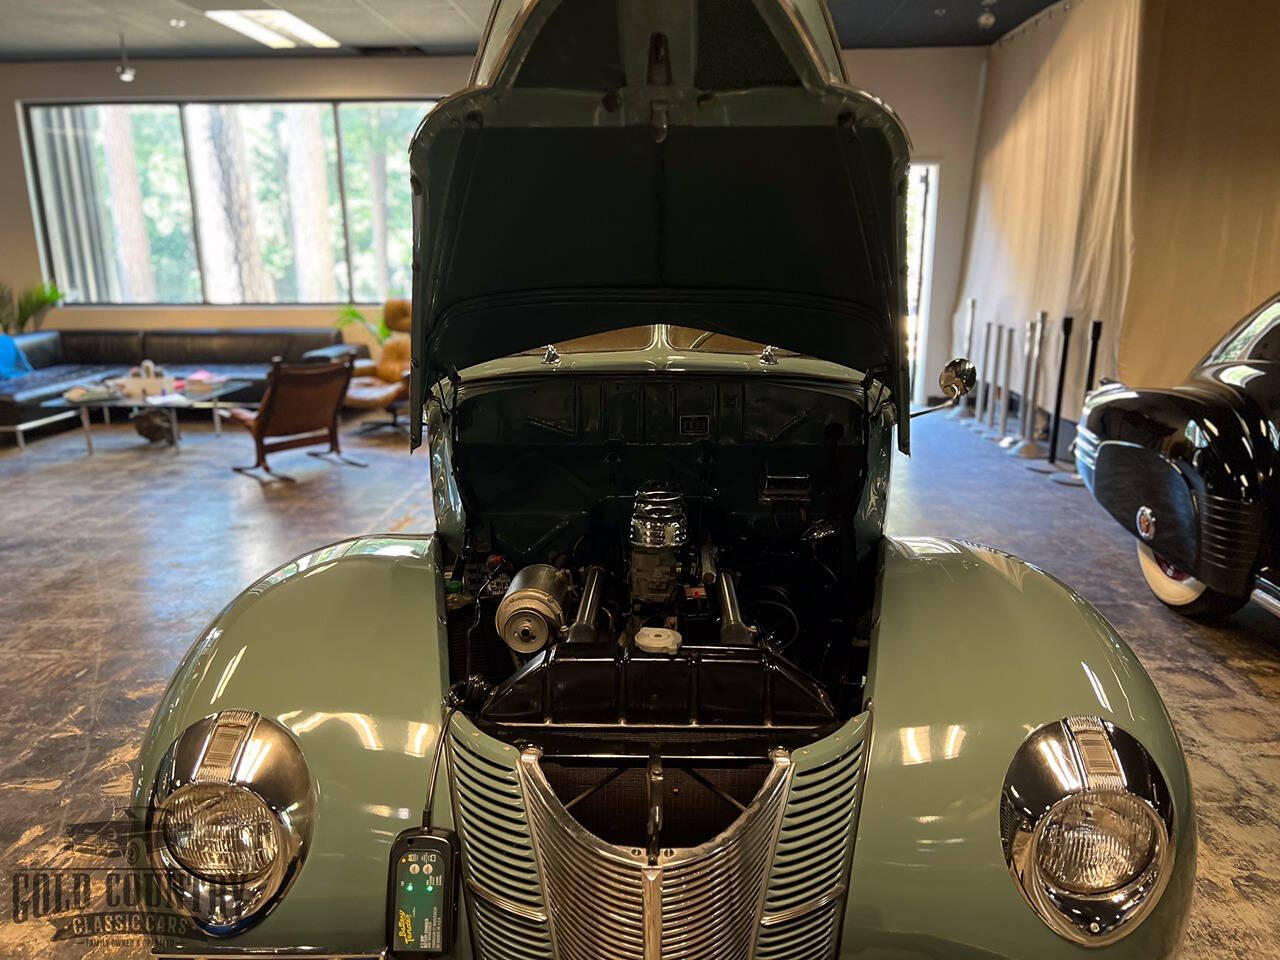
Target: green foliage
349,315
370,131
34,300
8,312
166,202
14,316
156,141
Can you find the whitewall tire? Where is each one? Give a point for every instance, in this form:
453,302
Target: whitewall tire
1181,592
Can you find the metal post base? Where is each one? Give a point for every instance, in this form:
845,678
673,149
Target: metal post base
1047,468
1028,450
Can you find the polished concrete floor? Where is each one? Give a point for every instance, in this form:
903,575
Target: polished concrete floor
111,564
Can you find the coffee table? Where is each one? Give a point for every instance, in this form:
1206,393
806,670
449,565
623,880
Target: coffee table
209,398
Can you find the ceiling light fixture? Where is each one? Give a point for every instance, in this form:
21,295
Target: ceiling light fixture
986,20
277,29
284,22
237,21
177,23
125,72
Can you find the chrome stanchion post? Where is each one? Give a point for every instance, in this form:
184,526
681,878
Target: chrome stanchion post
990,429
964,409
1026,380
1006,381
1055,420
1028,447
980,407
1074,479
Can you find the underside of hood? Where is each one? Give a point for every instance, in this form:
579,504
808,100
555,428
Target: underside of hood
659,161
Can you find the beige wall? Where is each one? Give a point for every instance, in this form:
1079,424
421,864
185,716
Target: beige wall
292,78
1206,205
938,94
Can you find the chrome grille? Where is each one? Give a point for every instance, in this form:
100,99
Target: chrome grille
542,887
1086,447
805,896
813,934
1230,532
700,903
508,914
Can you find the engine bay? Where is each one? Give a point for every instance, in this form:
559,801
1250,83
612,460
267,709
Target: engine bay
657,617
660,556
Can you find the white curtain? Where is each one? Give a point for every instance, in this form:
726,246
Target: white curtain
1207,185
1050,223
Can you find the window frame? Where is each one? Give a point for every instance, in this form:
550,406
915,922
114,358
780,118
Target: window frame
40,214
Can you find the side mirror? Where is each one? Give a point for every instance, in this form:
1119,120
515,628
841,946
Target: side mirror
957,378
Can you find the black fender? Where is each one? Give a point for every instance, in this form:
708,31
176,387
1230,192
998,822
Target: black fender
1199,458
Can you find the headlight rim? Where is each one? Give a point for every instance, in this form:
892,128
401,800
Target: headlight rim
238,749
1038,781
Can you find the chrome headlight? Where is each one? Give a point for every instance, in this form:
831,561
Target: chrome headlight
220,832
230,819
1086,821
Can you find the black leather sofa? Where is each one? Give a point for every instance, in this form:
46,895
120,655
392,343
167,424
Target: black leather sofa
63,359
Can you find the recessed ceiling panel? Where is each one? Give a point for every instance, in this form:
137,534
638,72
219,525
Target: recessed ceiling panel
929,23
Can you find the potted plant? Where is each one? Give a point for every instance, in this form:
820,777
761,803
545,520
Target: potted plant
358,328
30,306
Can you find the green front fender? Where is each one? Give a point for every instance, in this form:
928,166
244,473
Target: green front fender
974,650
346,647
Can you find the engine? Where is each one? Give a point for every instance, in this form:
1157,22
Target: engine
662,618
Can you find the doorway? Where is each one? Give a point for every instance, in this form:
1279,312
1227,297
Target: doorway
922,215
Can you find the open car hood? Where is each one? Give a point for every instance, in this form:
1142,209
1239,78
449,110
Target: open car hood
692,162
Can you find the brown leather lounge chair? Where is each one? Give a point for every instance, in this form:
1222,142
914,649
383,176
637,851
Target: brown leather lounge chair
384,384
299,409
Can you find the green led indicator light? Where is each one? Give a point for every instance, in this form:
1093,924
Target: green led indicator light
410,888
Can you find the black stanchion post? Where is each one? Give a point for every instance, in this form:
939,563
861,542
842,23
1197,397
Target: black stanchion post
1074,479
1095,334
1062,379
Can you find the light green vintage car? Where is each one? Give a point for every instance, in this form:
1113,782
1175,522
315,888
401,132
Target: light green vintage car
658,686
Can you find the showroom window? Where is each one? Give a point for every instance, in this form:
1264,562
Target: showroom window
116,203
226,203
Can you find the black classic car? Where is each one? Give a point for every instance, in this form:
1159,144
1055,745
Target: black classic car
1191,472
